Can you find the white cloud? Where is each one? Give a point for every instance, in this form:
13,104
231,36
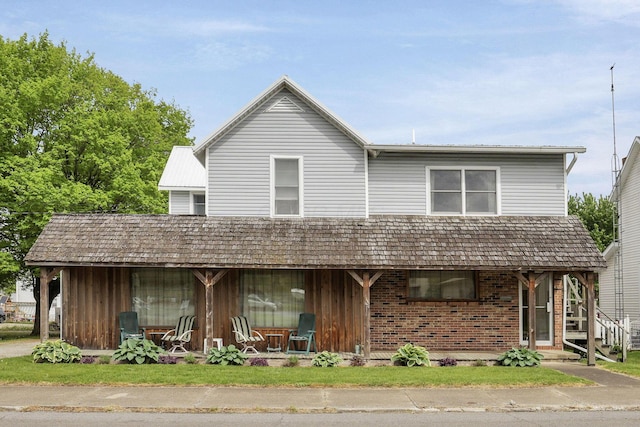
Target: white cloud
593,11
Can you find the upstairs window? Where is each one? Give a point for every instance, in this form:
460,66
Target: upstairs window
442,285
286,188
463,191
198,204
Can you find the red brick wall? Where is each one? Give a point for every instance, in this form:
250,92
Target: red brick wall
491,323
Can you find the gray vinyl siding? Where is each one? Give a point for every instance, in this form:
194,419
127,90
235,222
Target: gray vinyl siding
239,164
179,203
530,185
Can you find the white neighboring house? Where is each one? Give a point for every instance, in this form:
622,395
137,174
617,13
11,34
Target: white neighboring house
629,206
25,304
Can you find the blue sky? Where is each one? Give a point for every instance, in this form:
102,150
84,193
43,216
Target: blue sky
504,72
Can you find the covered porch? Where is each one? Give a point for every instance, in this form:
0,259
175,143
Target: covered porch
344,260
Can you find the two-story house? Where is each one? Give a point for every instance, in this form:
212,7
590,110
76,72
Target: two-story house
620,283
286,209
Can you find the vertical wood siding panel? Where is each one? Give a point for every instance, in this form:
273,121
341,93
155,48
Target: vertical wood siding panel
239,176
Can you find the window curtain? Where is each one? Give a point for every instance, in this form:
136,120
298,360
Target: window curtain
160,296
272,298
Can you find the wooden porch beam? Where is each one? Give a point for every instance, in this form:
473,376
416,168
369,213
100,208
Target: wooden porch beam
366,281
208,279
531,304
587,280
46,275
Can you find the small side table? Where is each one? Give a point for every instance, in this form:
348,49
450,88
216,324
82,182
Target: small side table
156,337
276,340
216,341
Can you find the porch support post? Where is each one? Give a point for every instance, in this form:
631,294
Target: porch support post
366,287
366,281
46,276
208,279
532,310
587,280
591,320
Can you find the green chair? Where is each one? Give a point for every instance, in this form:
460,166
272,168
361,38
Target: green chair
306,333
244,335
181,335
129,326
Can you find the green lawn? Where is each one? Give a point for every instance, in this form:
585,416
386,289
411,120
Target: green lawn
23,370
630,367
13,331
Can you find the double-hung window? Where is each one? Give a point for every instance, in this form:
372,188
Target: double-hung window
286,186
466,191
198,204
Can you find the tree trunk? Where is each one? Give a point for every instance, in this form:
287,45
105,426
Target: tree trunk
54,291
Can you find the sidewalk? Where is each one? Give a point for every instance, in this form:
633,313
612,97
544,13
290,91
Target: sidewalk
611,392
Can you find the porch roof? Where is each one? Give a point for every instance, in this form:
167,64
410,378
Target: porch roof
381,242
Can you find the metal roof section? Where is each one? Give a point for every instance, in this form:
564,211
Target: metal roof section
183,171
474,149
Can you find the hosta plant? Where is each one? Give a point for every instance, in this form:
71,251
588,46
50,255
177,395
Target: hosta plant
520,357
411,355
137,351
326,359
226,355
56,352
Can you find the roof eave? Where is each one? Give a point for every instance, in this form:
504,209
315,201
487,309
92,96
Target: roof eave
500,149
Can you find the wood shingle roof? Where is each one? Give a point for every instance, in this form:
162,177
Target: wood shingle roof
381,242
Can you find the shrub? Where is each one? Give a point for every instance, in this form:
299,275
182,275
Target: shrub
56,352
104,360
411,355
291,362
520,357
326,359
227,355
137,351
448,361
166,359
258,361
190,359
357,361
88,360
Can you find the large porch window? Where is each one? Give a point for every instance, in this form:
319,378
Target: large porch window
272,298
161,295
442,285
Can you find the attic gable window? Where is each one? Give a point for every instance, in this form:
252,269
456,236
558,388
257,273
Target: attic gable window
463,191
286,186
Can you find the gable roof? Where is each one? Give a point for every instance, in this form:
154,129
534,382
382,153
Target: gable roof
183,172
627,166
382,242
283,83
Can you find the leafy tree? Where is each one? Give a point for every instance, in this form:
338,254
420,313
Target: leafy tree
74,137
597,216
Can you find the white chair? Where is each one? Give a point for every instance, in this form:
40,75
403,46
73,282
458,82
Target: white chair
245,336
181,335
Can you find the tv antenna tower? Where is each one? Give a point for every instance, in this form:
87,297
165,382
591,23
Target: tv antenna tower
618,283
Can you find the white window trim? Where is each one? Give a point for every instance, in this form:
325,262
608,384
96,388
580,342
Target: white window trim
192,204
272,185
462,170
